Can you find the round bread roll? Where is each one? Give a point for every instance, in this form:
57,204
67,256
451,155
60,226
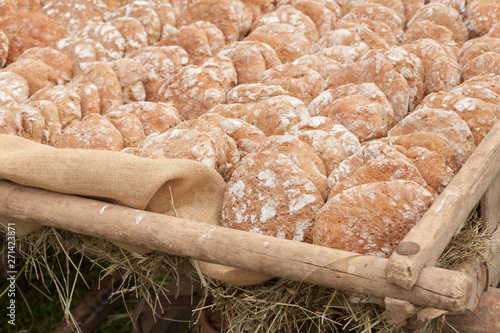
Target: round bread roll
434,142
193,91
347,139
4,48
268,194
378,27
37,74
396,5
144,13
323,16
445,16
328,148
66,100
163,9
432,30
250,59
362,108
274,116
29,28
11,119
458,5
442,71
489,81
480,116
132,77
344,54
340,36
367,219
380,170
253,92
50,113
14,85
448,123
380,71
480,56
52,57
107,35
225,147
410,67
290,15
298,81
247,137
302,155
154,117
481,15
74,14
288,42
129,126
222,13
223,67
183,144
411,7
432,166
373,150
90,98
476,90
32,123
105,79
201,40
376,12
133,33
81,51
320,63
93,132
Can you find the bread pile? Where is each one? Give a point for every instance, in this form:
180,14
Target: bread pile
333,122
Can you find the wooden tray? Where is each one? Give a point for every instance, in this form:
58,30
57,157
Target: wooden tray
407,282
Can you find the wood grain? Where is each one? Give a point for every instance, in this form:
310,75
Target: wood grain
435,287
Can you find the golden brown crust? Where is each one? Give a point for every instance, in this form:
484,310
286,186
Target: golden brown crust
90,98
81,51
432,30
480,116
288,42
107,35
270,195
319,63
74,14
10,119
133,33
253,92
445,16
52,57
380,71
50,113
302,155
193,91
66,100
448,123
37,73
378,27
154,117
250,59
132,77
298,81
368,219
481,15
93,132
106,81
223,67
480,56
28,28
362,108
14,85
32,123
129,126
147,153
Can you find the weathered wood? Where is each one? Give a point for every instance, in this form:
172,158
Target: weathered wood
490,206
444,218
398,311
484,319
493,260
435,287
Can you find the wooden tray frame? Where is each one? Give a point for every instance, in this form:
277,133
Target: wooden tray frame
408,283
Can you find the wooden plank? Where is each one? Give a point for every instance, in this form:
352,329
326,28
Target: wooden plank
397,311
445,217
490,206
484,319
437,288
493,260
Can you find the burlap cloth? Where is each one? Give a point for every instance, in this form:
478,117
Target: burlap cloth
123,179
